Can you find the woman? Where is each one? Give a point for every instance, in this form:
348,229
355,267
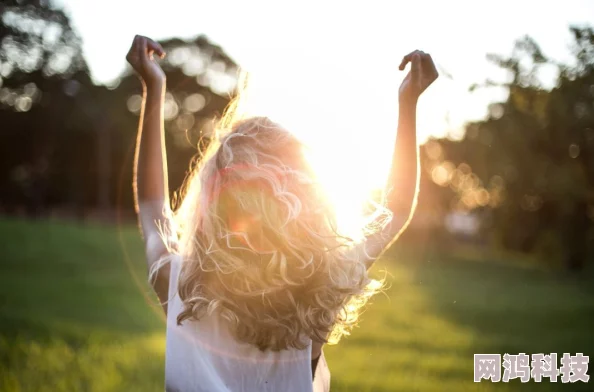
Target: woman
250,269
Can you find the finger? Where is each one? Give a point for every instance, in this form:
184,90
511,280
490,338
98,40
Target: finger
416,68
133,52
428,70
141,50
134,44
429,65
406,59
155,47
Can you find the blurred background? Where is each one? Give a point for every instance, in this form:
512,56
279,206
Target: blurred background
500,254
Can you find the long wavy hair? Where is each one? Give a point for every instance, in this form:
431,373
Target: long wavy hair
259,241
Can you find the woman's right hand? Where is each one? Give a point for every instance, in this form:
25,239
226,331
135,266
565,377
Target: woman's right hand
142,61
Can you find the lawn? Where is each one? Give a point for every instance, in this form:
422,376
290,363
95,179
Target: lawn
77,315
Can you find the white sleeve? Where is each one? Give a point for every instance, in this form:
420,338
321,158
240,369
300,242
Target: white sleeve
157,226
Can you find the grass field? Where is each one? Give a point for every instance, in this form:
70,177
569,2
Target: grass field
74,318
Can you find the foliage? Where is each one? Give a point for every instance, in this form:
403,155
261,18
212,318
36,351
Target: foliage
527,170
531,161
68,142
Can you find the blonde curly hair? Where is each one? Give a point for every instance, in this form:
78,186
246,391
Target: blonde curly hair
259,242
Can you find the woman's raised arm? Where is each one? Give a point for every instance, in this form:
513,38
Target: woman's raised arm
150,184
403,181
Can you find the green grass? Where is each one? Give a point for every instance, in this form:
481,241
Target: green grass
76,315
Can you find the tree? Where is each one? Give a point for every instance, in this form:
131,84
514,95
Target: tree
201,79
68,142
40,57
532,158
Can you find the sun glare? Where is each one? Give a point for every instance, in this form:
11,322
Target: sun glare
346,195
345,159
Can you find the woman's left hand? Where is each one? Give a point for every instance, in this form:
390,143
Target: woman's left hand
422,73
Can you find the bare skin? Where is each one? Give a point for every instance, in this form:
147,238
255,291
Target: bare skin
150,184
403,180
404,176
150,175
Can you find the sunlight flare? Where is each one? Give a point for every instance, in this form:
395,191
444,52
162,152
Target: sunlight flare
350,164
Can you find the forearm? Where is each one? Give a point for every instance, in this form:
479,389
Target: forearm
150,186
401,188
403,183
404,174
150,163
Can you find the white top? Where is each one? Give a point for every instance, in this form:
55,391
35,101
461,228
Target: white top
204,356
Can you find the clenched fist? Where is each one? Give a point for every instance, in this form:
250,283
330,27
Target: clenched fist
422,73
141,59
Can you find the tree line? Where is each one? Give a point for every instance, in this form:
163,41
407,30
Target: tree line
527,169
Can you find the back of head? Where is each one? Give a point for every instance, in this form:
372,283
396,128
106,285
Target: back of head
260,246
